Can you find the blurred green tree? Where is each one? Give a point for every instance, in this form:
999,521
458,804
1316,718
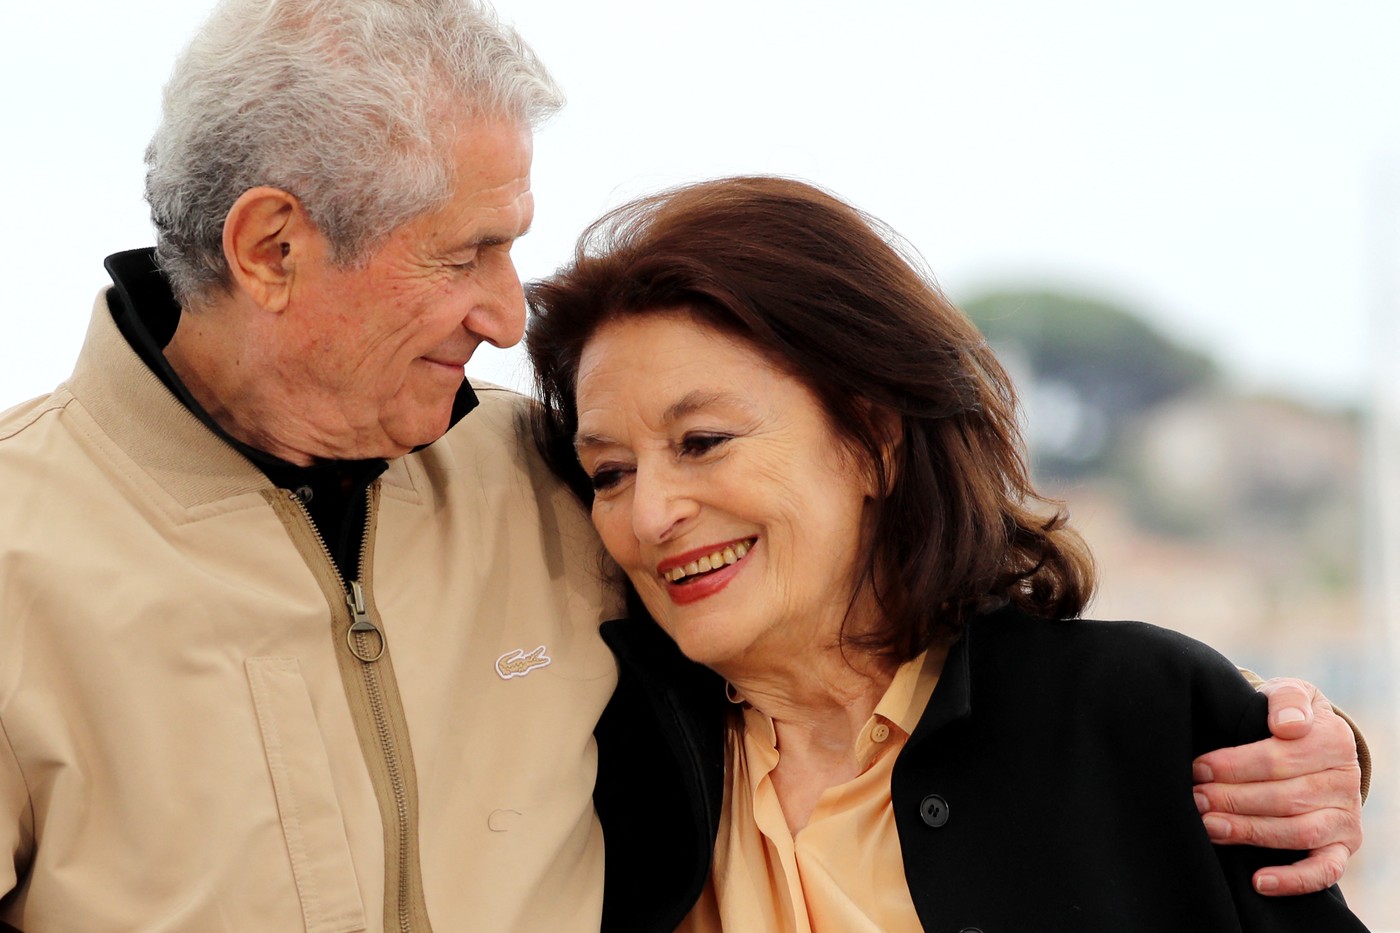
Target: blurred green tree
1086,369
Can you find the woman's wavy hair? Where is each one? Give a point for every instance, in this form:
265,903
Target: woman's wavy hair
838,300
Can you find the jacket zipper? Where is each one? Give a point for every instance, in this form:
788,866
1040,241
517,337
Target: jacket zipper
361,625
357,639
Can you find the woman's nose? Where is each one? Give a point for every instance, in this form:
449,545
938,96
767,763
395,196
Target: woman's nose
661,505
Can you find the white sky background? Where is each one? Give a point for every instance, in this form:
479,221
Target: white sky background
1209,163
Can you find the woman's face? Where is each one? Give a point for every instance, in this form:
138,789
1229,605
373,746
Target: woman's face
721,489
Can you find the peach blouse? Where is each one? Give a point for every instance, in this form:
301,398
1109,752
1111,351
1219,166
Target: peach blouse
843,872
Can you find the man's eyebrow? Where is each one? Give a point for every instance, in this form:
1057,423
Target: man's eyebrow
488,239
500,240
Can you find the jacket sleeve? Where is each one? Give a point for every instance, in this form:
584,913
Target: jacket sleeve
16,818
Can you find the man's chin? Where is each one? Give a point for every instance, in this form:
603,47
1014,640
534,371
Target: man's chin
416,433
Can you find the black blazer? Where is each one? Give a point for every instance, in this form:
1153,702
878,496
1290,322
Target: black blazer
1047,787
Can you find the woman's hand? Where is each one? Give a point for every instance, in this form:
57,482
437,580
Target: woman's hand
1300,789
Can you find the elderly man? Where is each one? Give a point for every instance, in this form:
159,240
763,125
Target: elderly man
265,668
283,650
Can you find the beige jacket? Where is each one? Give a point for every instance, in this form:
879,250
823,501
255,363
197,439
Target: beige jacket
189,742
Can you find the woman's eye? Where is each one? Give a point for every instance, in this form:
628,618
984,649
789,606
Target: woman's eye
605,478
696,444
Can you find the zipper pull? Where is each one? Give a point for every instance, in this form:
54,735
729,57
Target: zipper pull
361,626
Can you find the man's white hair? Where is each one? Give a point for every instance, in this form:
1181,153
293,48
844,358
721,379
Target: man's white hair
350,105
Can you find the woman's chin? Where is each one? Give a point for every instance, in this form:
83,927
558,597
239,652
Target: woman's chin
701,646
708,638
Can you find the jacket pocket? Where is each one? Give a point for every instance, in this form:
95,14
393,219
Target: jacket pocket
306,802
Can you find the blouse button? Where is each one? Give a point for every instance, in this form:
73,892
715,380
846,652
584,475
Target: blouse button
880,732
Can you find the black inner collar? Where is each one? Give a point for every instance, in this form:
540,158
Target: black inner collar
333,491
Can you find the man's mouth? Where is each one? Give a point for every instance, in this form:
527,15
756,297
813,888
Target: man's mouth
723,557
449,363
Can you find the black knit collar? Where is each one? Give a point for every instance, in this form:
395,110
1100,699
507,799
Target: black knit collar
146,312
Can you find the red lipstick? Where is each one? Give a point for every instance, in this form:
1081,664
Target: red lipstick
692,589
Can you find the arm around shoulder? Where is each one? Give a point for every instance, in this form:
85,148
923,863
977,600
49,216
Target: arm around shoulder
1229,717
1299,788
1319,905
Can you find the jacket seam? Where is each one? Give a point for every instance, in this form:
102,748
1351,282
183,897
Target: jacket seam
53,404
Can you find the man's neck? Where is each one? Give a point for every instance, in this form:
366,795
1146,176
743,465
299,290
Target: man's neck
231,386
187,352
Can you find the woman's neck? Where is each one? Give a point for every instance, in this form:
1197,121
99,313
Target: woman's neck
818,707
831,694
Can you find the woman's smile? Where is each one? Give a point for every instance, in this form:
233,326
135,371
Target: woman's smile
694,576
675,569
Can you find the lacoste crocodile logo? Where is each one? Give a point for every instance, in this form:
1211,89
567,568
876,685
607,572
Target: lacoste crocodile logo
517,663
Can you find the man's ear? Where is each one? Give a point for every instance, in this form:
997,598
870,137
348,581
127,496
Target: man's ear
266,235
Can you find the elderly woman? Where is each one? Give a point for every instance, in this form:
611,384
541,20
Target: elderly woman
807,464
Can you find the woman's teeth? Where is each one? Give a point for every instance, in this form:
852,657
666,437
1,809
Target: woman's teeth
721,558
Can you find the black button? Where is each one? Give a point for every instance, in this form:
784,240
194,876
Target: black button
969,930
303,493
934,810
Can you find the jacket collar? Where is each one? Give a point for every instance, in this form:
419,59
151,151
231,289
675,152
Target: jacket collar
137,415
952,698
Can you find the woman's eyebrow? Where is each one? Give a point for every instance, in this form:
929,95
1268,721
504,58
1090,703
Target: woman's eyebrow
699,400
688,404
587,441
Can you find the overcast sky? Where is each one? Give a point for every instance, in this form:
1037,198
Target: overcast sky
1212,164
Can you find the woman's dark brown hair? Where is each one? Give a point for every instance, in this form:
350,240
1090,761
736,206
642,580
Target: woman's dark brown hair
821,289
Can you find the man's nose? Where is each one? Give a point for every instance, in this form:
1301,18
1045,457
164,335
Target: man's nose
498,312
